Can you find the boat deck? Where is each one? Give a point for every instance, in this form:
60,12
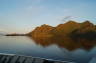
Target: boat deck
11,58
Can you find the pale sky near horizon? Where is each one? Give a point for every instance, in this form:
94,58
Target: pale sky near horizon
22,16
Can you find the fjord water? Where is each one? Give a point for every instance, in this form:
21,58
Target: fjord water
22,45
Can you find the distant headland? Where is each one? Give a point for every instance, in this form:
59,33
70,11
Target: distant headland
15,34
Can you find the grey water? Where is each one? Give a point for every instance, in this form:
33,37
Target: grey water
22,45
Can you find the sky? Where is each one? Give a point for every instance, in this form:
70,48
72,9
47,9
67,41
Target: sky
22,16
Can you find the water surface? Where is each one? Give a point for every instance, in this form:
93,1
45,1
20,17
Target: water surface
22,45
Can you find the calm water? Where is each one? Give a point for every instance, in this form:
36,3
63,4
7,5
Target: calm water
27,46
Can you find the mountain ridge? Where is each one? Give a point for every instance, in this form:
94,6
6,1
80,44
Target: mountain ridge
70,28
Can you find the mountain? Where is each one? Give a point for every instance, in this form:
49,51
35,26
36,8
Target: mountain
87,26
72,29
42,31
87,30
65,29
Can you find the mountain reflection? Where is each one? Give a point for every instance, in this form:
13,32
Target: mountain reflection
65,42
